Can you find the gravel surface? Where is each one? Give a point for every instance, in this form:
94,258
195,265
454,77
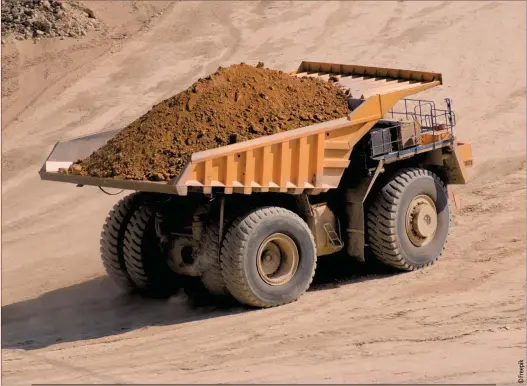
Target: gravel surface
34,19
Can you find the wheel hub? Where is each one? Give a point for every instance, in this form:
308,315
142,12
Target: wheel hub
421,220
277,259
271,259
181,257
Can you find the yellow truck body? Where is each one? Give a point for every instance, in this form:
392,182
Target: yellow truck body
309,160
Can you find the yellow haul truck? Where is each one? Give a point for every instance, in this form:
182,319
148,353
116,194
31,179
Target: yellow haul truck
251,219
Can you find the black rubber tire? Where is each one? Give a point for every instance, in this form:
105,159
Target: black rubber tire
112,241
144,257
209,258
239,250
386,227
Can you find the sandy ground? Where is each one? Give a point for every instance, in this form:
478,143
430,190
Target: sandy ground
461,321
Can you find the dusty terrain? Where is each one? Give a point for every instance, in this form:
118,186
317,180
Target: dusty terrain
463,320
233,104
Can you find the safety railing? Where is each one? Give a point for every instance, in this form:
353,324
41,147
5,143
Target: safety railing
411,127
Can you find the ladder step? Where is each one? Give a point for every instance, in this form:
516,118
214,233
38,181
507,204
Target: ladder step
333,236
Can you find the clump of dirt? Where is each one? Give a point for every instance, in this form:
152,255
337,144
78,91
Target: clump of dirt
27,19
234,104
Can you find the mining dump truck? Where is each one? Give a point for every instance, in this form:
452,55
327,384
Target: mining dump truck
251,219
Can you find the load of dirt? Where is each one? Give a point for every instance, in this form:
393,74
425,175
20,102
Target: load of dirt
27,19
234,104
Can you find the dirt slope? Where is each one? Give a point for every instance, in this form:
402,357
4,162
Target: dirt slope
461,321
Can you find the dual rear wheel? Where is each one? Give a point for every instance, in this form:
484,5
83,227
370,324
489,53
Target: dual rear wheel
131,253
268,256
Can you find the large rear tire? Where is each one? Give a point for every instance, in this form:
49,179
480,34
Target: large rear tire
209,257
144,257
112,241
268,257
409,222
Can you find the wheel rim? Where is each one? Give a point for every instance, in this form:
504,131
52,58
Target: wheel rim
181,255
277,259
421,220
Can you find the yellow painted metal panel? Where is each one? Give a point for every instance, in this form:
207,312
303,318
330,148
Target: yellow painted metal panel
319,161
337,145
267,168
464,151
249,171
303,162
294,147
285,169
313,157
336,163
457,163
276,152
351,69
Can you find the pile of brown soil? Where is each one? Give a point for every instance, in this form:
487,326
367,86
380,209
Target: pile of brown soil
234,104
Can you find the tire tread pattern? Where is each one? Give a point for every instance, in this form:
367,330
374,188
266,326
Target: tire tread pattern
381,220
209,258
133,249
112,242
153,277
232,254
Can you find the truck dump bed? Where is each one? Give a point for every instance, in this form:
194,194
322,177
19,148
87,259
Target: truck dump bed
309,159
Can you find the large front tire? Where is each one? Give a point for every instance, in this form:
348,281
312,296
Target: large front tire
409,222
268,257
144,258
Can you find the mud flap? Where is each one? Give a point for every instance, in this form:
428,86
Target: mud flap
355,198
457,161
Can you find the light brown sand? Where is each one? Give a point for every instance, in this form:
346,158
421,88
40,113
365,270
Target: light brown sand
461,321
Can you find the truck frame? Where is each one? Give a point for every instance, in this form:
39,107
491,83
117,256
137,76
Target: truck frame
251,219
